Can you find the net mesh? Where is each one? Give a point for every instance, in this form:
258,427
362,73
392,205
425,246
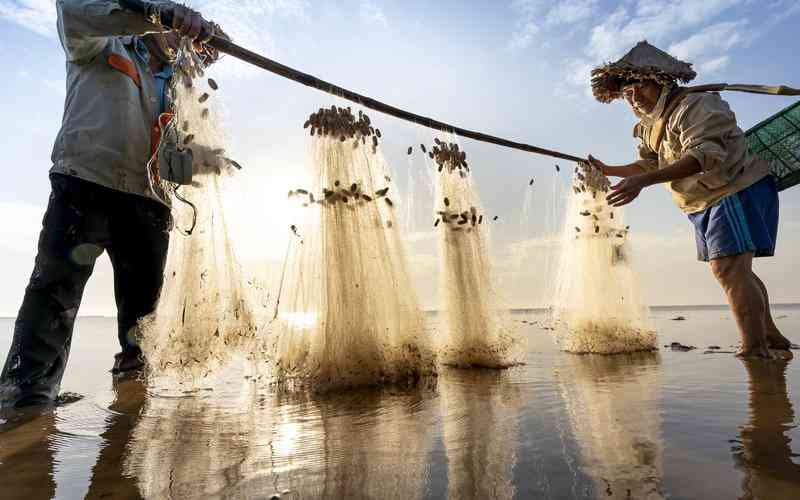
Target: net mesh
777,140
348,314
206,310
476,332
598,303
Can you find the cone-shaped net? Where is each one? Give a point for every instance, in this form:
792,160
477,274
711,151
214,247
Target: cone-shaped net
205,311
598,304
475,332
348,313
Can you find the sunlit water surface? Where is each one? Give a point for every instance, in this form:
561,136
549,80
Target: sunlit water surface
666,425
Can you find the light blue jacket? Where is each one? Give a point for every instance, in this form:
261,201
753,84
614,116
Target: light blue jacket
113,101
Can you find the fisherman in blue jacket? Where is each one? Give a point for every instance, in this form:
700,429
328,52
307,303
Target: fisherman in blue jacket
119,69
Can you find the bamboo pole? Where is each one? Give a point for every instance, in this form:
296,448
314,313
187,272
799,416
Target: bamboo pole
751,89
243,54
228,47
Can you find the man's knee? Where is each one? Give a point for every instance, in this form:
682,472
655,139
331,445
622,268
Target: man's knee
723,270
730,271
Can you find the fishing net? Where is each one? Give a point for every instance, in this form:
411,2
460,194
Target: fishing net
598,304
476,333
348,313
777,140
205,310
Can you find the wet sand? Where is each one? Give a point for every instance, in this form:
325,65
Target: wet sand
680,425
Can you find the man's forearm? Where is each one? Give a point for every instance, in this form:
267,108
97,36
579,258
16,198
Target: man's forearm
84,24
623,170
681,169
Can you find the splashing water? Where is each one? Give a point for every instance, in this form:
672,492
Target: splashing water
206,310
475,332
598,305
348,313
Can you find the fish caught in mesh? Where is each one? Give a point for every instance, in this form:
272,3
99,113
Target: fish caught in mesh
598,305
476,332
206,310
349,315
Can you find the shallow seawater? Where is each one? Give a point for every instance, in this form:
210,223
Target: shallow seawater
681,425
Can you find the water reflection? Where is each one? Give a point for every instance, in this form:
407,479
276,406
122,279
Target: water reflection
238,442
481,428
765,454
108,479
26,453
613,407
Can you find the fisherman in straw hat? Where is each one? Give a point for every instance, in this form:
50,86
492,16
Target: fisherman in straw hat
690,142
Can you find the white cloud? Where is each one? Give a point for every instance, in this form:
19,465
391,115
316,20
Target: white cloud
688,29
254,8
537,13
247,21
654,20
251,23
38,16
570,12
782,10
713,65
523,38
717,37
372,14
578,71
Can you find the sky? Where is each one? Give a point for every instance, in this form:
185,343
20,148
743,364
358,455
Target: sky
518,69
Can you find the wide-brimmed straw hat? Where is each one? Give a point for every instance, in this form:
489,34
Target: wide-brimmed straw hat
643,62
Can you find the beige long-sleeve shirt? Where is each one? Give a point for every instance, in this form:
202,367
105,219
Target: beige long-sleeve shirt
113,99
703,127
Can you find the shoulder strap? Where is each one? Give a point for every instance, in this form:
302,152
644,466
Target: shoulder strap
659,128
752,89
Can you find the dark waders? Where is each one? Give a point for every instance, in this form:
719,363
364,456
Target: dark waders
81,221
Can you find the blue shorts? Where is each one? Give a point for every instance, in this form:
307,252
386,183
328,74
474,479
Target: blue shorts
743,222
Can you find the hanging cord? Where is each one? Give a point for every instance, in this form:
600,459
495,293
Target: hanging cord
171,128
283,275
166,186
180,198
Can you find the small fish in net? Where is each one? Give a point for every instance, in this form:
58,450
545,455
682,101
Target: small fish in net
476,331
349,315
206,310
598,305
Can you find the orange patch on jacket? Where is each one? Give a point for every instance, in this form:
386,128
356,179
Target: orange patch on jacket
155,140
125,66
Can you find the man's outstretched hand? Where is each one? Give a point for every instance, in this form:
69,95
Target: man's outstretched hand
626,190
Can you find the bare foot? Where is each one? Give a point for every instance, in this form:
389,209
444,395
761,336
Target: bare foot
782,354
759,351
778,341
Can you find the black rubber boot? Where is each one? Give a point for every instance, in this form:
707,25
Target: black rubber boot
128,361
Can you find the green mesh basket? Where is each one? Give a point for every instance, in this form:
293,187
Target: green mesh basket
777,140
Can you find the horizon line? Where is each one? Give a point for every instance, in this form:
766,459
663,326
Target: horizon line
531,308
